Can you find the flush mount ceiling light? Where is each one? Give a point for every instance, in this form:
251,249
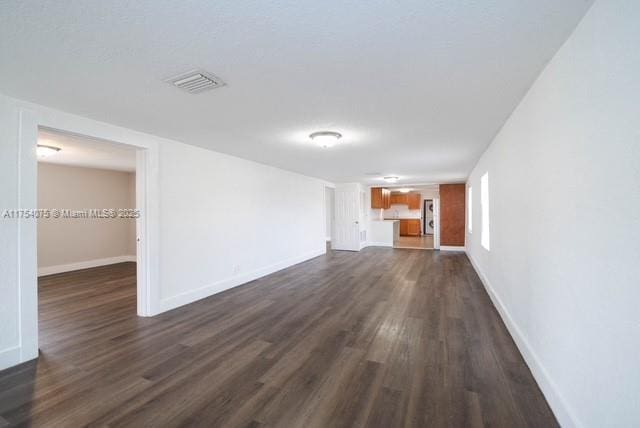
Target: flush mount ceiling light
391,179
44,151
325,138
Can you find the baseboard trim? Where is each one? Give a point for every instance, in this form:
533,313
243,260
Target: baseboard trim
562,411
51,270
225,284
452,248
10,357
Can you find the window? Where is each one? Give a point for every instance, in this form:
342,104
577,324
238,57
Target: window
470,213
484,205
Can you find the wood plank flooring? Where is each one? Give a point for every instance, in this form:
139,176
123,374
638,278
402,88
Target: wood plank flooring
380,338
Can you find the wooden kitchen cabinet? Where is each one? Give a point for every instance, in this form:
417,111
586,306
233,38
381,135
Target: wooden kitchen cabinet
380,198
399,199
403,228
414,200
410,227
377,197
413,227
386,198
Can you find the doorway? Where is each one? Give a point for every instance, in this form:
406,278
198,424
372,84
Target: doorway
425,239
87,240
413,208
31,122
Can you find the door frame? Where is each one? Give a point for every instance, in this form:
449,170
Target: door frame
425,209
436,223
147,225
332,189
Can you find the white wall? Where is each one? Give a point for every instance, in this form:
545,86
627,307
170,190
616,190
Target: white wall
273,219
66,244
10,348
194,248
564,265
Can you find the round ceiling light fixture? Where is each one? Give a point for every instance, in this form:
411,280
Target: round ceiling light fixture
325,138
391,178
44,151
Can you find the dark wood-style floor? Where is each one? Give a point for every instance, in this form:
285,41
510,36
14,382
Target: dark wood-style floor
383,337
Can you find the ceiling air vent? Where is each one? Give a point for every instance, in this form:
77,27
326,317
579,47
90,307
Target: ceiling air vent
195,81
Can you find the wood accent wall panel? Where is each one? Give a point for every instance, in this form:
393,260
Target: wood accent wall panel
452,213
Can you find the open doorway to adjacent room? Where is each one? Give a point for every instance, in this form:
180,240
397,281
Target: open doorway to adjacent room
413,207
86,236
405,216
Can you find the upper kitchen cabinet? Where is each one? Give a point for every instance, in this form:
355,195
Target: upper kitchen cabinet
399,199
380,198
414,200
386,198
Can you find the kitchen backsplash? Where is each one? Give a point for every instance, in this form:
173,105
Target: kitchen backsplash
401,211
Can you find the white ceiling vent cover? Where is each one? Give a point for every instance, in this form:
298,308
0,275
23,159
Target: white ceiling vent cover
195,81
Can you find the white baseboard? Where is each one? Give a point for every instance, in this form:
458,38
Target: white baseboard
452,248
564,414
9,357
225,284
50,270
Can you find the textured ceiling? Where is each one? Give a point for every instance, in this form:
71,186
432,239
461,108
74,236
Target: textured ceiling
418,88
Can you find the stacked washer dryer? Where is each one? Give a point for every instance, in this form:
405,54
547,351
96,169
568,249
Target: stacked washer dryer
428,217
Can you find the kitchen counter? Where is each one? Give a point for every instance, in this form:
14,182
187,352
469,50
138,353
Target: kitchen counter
409,226
383,232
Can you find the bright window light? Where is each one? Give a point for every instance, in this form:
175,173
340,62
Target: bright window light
470,213
484,205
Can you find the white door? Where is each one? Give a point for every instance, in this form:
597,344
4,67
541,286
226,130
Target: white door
346,228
